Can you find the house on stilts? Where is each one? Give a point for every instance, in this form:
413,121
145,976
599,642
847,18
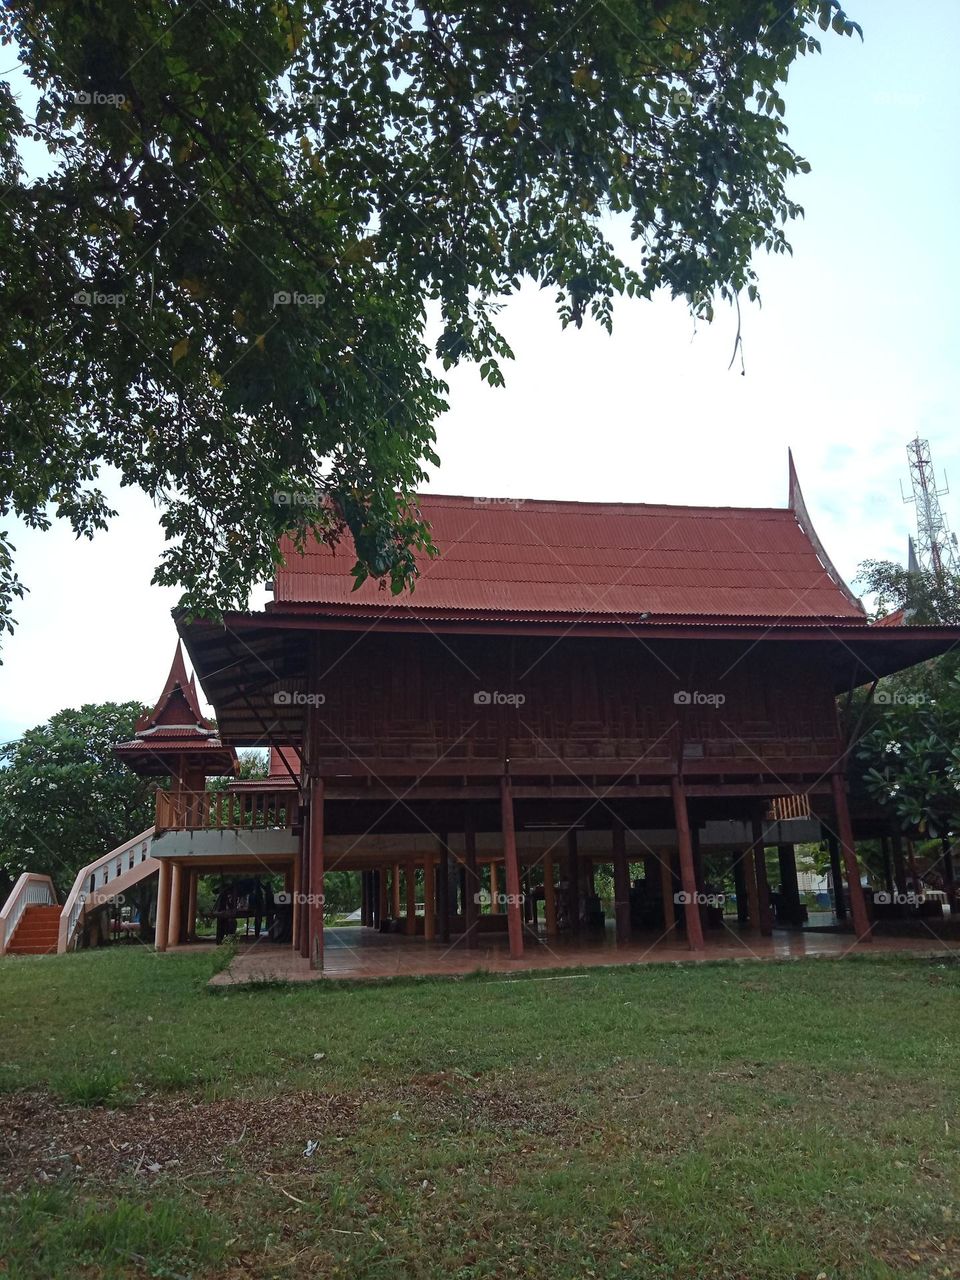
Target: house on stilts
649,689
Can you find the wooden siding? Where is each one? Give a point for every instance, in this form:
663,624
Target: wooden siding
399,700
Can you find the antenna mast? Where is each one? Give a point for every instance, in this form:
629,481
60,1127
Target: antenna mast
936,546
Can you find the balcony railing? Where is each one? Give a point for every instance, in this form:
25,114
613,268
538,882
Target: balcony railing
226,810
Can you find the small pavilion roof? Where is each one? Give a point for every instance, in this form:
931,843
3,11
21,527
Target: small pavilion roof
176,731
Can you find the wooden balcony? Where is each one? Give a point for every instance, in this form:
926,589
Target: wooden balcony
226,811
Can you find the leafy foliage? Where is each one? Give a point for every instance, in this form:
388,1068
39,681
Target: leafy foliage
221,287
928,598
911,758
64,798
907,759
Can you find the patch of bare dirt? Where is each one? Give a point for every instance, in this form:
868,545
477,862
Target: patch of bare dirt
42,1139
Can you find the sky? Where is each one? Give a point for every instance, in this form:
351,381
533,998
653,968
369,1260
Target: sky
852,353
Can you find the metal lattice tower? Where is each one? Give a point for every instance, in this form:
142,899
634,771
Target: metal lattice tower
936,546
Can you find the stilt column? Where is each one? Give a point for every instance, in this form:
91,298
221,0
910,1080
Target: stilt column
621,884
176,906
163,906
316,874
858,906
688,877
512,868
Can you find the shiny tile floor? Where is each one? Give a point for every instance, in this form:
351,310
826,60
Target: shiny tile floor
361,953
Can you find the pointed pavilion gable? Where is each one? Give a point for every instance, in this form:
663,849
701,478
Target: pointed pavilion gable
176,736
179,703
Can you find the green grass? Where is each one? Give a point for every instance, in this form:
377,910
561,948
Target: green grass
721,1120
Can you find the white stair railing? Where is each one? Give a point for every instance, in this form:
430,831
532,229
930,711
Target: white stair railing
97,878
29,891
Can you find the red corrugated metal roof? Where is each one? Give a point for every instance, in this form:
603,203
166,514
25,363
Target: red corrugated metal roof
536,558
894,619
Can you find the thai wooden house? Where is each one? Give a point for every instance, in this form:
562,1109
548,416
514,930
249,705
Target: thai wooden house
570,685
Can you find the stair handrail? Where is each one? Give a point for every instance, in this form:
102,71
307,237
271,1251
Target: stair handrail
31,890
95,877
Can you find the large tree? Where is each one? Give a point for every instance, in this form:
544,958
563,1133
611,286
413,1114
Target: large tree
907,755
65,798
221,283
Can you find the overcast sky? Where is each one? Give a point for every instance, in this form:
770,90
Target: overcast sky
853,352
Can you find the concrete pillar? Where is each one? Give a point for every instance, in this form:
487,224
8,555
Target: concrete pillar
395,887
494,888
194,876
688,878
176,906
163,906
443,894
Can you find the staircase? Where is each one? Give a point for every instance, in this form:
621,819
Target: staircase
36,933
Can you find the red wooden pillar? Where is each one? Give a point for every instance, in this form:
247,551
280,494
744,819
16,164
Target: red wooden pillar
753,896
471,907
573,880
621,884
688,877
512,868
316,874
665,858
383,909
765,912
303,933
858,906
410,927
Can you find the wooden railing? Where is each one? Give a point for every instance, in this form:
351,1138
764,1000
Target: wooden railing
102,879
784,807
29,891
225,810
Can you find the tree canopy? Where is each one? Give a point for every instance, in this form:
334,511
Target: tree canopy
907,757
224,281
65,798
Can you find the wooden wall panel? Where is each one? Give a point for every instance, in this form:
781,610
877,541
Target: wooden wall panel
455,699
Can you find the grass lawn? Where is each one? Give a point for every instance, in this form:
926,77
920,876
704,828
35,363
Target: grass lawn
751,1121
